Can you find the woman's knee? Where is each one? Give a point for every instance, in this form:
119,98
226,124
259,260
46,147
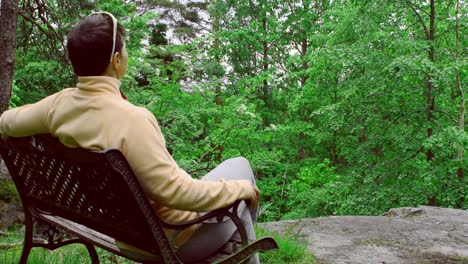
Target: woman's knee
239,161
232,169
243,166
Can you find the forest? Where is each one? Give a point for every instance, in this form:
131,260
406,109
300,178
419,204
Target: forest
343,107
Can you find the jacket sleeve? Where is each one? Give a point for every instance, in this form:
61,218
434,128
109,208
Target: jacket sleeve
164,182
27,120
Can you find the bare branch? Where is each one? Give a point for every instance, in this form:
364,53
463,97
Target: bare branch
32,21
419,17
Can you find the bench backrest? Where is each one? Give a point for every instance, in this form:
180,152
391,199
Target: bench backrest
96,189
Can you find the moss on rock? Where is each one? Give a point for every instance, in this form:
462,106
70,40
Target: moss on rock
8,192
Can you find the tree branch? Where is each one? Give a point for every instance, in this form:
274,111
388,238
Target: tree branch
419,18
32,21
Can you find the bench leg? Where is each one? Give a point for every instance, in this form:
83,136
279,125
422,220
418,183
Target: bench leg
51,245
92,253
28,237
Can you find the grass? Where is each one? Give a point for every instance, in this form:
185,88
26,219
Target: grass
11,245
71,254
291,251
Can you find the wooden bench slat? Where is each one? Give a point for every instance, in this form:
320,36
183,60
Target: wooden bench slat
96,238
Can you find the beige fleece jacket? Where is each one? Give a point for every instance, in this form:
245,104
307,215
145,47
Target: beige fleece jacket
94,116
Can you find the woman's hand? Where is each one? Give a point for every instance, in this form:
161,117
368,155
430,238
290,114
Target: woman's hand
255,200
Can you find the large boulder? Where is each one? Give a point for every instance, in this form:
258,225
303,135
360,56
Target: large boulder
403,235
10,206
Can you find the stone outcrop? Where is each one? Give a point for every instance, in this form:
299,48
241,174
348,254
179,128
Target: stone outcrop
10,207
10,214
425,234
4,174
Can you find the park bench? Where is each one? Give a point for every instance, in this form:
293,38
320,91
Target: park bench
93,198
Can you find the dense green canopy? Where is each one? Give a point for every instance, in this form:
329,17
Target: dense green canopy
342,107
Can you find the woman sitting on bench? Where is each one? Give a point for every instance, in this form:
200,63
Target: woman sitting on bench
95,115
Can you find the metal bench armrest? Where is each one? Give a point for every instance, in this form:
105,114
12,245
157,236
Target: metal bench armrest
219,214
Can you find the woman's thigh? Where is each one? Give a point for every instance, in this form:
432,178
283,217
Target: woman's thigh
210,236
231,169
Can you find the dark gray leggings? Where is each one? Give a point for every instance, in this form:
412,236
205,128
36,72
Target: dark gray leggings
210,236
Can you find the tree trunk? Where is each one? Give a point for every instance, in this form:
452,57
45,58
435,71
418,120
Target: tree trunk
266,66
461,122
305,65
460,172
305,44
218,100
429,80
266,89
8,18
216,46
430,89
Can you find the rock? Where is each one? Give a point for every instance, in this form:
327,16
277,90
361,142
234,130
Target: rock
405,212
425,234
4,174
10,206
10,214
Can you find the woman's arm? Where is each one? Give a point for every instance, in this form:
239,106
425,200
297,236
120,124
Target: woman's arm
27,120
162,179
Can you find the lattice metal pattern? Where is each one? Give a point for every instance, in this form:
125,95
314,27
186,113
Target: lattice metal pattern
80,185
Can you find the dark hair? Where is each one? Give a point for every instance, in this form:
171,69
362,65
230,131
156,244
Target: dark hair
89,44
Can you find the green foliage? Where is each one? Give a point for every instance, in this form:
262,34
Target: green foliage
328,100
310,179
214,69
290,250
14,99
37,79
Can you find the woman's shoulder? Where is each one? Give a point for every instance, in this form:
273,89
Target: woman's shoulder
129,110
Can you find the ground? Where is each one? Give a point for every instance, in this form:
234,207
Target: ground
423,235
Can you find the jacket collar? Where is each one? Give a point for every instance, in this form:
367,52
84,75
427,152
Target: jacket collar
99,85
